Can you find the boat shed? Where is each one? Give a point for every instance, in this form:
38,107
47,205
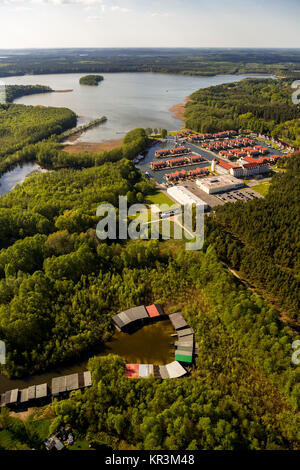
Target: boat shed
185,332
58,386
175,370
41,391
137,313
31,392
145,370
132,371
184,356
71,382
185,341
163,372
154,311
178,321
128,317
10,398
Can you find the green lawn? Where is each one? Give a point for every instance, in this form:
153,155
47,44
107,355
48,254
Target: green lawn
159,198
262,188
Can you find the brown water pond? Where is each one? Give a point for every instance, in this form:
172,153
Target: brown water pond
152,344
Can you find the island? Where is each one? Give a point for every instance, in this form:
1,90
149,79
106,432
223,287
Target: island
92,80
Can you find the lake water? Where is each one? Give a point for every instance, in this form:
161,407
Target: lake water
128,100
16,176
152,344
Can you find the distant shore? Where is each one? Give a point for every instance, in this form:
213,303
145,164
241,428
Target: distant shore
178,110
92,147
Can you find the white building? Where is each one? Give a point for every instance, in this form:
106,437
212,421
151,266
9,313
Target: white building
185,197
218,184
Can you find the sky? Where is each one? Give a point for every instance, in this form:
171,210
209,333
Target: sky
149,23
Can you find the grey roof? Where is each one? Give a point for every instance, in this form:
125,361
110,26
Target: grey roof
7,397
175,370
87,378
163,372
2,399
137,313
185,341
41,391
31,392
117,321
127,316
185,332
14,395
183,352
58,385
24,395
72,382
185,348
177,320
124,318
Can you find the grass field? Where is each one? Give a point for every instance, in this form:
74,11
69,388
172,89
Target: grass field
262,188
159,198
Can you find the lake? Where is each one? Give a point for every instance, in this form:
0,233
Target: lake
16,176
129,100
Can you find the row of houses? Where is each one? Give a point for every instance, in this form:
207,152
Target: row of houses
228,144
174,162
232,153
172,151
195,137
185,174
41,394
281,143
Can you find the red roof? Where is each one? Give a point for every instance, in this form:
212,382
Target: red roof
250,165
153,311
132,371
225,165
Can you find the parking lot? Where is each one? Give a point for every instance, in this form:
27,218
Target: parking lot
239,195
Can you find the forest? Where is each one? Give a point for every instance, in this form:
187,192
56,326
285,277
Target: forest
16,91
261,239
22,125
186,61
92,80
263,106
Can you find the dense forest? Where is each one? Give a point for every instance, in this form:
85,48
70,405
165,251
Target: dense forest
261,239
16,91
187,61
22,125
242,393
92,80
257,104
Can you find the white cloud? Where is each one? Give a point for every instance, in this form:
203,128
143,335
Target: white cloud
159,14
120,9
94,18
52,2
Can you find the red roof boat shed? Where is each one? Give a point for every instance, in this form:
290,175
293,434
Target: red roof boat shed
132,371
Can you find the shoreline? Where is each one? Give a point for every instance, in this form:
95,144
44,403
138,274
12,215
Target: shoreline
178,110
92,147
